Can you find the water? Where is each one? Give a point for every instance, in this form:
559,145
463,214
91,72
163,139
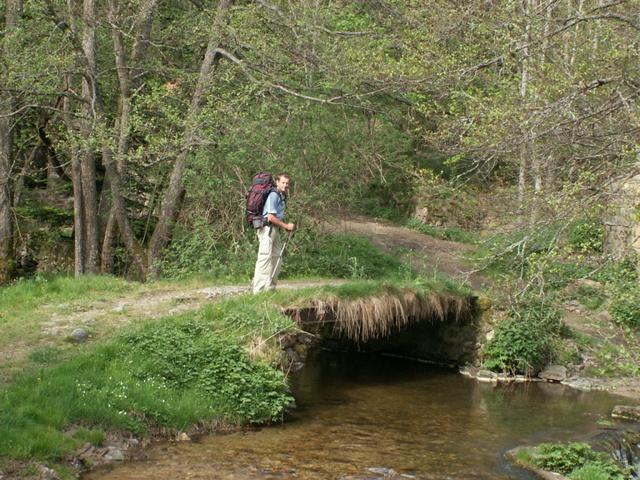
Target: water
362,416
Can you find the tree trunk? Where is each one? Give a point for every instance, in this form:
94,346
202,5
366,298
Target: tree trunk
6,224
88,166
576,29
13,12
78,216
116,166
175,190
109,238
524,67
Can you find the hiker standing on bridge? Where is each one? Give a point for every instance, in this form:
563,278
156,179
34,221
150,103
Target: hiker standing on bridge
268,263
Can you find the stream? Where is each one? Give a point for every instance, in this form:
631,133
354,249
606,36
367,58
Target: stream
361,416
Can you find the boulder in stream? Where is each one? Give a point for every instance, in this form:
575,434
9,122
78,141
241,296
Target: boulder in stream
626,412
554,373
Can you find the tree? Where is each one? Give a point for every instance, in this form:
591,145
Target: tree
13,12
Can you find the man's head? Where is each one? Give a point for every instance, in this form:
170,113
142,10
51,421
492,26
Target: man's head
283,182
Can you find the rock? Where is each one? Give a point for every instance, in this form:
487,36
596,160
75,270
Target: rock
469,371
554,373
627,412
86,448
114,454
585,282
183,437
483,303
382,471
573,305
79,335
47,473
487,376
119,308
579,383
490,335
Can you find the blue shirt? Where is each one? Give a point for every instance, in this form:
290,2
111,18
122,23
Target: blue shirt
274,204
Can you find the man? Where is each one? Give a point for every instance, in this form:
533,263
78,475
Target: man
267,264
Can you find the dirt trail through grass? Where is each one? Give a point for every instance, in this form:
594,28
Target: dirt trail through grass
426,254
52,324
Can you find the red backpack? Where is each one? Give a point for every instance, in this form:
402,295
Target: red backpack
261,186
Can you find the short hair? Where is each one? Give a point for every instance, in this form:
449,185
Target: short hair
281,175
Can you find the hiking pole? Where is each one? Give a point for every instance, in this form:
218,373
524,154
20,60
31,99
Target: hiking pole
284,245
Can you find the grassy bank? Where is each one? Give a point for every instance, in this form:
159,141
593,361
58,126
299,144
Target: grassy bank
576,461
194,371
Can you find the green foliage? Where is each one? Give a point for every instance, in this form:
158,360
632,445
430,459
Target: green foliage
595,471
621,278
586,236
625,307
174,373
310,253
445,233
447,203
200,249
339,256
526,341
621,272
45,213
94,436
577,460
617,361
186,355
590,297
563,458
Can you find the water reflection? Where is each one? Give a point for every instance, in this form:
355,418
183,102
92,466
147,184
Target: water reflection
361,416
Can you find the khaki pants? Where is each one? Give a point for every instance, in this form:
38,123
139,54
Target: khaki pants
266,273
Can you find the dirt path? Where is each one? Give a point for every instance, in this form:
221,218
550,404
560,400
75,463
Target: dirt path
426,254
99,319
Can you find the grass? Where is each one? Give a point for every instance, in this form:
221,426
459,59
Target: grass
310,254
455,234
22,303
176,373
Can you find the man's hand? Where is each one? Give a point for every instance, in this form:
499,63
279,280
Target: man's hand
290,226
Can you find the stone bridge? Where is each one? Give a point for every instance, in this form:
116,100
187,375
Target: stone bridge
439,328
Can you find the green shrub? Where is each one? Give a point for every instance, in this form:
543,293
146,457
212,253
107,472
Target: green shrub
577,460
625,306
200,249
339,256
309,253
590,297
620,272
586,236
187,355
597,471
526,341
563,458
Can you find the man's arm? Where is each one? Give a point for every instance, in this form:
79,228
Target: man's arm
271,218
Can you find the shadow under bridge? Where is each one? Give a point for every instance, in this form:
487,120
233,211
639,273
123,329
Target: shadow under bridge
439,328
